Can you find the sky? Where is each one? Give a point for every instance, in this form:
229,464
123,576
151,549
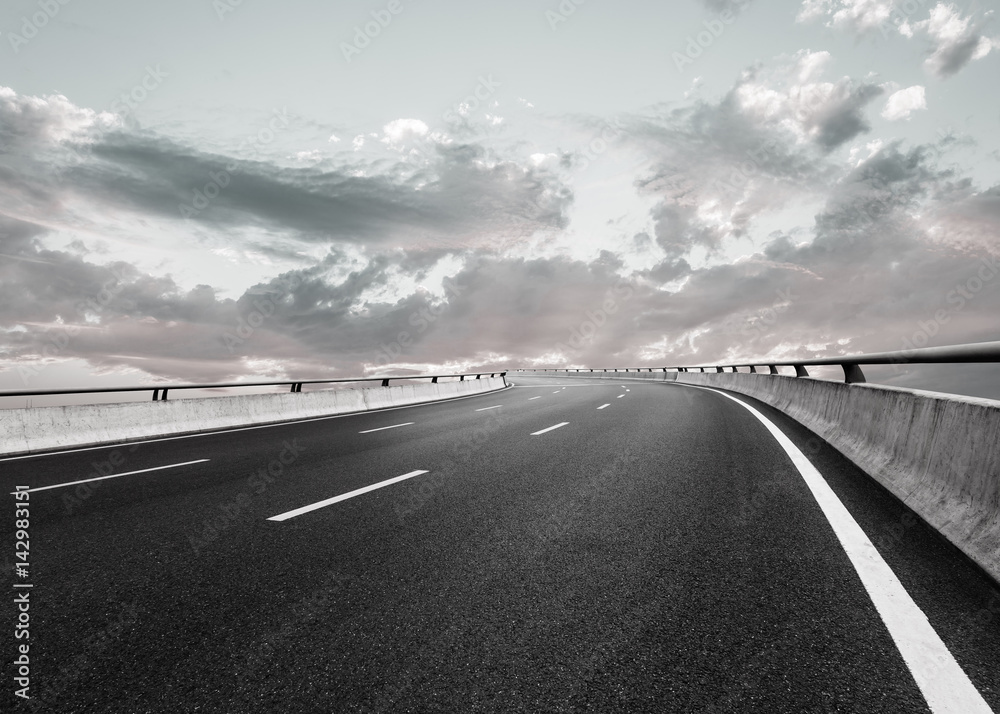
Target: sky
229,190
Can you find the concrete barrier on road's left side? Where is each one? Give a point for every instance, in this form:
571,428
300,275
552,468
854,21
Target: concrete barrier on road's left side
32,430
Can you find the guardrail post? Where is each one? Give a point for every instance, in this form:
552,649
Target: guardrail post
163,397
801,371
753,370
156,394
853,374
385,382
478,376
462,378
719,369
772,369
434,380
735,370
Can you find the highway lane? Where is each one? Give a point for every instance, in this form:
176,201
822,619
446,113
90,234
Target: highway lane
659,554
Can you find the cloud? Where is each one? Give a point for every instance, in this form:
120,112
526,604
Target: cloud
867,249
719,167
857,16
400,131
828,113
66,165
27,121
309,321
903,103
883,258
895,236
956,40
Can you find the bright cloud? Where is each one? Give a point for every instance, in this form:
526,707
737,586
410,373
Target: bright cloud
859,16
903,103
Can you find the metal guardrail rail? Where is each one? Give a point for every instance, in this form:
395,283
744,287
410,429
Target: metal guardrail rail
160,391
979,352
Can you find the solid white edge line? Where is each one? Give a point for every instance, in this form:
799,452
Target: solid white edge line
603,405
232,430
126,473
536,433
344,496
941,680
487,408
383,428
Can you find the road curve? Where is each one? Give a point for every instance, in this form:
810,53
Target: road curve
564,545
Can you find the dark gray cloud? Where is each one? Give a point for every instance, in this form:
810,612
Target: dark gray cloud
714,155
740,153
453,196
881,188
678,230
956,41
841,117
949,57
456,194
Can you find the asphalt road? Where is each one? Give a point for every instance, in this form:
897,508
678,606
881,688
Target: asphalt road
659,554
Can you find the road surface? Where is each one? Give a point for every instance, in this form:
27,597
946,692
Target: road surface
563,545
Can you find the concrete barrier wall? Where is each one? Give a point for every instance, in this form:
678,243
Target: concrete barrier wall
24,431
938,453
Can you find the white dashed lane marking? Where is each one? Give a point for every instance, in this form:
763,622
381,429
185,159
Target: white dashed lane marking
343,497
383,428
536,433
